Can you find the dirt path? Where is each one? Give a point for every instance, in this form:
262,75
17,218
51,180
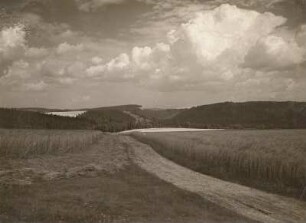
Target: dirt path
251,203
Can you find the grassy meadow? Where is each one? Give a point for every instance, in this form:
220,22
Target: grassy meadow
18,143
272,160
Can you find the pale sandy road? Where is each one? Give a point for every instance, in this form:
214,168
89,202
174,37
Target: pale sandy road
251,203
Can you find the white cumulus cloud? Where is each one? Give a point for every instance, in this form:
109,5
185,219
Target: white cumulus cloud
12,46
222,50
213,47
213,33
66,47
274,52
93,5
38,86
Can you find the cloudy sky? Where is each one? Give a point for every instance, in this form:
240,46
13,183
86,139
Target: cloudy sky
158,53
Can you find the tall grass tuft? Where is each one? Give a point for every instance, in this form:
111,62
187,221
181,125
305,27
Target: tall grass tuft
272,160
30,143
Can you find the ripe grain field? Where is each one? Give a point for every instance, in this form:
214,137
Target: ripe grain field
271,160
28,143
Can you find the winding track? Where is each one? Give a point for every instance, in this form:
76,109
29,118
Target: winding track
251,203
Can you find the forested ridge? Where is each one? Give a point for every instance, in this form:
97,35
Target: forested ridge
227,115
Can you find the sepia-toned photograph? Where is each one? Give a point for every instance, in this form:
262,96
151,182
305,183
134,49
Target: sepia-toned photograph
152,111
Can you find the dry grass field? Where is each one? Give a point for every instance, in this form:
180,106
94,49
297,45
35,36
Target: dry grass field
86,176
272,160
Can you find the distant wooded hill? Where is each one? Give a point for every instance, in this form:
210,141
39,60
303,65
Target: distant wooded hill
108,119
229,115
261,115
111,119
14,118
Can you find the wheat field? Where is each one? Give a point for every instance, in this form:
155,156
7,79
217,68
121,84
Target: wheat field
273,160
18,143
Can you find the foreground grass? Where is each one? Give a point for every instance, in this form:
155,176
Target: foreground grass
273,160
29,143
129,196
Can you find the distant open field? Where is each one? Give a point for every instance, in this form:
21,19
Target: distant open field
272,160
148,130
72,114
49,176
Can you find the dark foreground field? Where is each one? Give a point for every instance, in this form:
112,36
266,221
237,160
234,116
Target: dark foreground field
271,160
130,195
96,182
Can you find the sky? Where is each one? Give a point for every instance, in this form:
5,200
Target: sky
156,53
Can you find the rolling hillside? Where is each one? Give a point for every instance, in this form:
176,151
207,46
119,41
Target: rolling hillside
261,115
109,120
160,114
14,118
228,115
